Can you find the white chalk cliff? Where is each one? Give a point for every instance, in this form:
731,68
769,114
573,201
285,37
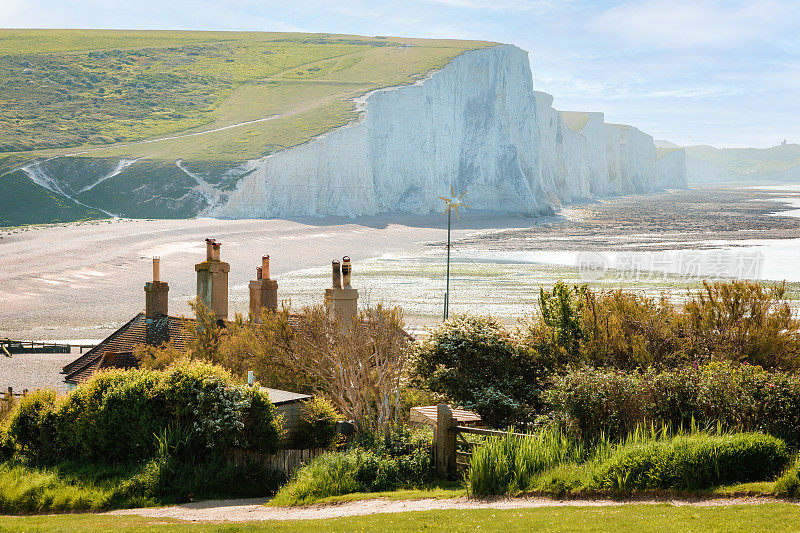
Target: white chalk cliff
475,125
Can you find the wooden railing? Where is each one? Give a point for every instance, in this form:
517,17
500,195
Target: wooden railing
9,347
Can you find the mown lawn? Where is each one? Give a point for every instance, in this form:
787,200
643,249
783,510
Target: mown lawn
634,518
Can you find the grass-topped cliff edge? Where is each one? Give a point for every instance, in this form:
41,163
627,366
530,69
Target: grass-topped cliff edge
208,99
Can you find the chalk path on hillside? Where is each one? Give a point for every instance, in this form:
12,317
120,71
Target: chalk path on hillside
255,510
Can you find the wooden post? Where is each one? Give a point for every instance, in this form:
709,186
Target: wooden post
445,442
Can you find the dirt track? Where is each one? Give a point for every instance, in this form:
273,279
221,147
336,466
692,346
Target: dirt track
254,510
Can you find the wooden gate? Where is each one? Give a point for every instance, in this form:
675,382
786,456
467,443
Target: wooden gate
453,450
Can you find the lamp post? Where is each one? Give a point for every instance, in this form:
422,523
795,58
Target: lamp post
454,202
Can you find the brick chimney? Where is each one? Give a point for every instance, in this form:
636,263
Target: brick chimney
341,300
212,281
263,291
156,293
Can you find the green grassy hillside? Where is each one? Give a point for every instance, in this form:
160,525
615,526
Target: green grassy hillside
749,160
96,88
24,202
84,99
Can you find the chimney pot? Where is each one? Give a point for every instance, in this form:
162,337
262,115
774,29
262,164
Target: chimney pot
156,294
265,267
341,301
337,274
263,291
212,249
212,281
346,270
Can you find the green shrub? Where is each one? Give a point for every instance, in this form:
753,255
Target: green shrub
358,470
6,445
115,416
318,423
736,321
694,462
261,428
789,483
590,402
745,322
511,464
174,475
330,474
475,362
31,424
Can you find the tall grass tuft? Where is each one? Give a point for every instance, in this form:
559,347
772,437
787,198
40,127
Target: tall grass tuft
789,483
511,463
694,462
649,457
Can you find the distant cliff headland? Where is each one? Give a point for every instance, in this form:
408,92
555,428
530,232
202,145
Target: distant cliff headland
255,125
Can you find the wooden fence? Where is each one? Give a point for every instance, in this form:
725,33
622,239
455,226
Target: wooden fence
287,461
453,450
7,400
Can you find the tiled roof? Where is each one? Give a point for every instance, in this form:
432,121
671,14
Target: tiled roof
123,360
140,330
154,332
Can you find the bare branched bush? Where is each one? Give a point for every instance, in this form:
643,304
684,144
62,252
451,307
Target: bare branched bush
357,366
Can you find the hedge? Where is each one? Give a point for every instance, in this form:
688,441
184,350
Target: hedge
591,402
116,415
695,462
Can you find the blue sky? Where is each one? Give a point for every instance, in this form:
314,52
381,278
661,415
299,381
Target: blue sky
690,71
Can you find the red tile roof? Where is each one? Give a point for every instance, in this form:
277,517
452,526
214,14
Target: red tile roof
139,330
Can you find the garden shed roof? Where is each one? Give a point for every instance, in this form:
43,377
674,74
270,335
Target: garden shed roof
427,415
281,397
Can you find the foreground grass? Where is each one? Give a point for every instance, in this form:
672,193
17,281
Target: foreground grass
71,487
623,518
60,489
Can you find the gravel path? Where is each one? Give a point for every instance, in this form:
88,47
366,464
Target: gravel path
254,509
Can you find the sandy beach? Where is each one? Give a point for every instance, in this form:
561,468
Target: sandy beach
82,281
85,280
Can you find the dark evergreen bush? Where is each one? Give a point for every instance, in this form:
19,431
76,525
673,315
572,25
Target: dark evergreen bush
318,423
474,361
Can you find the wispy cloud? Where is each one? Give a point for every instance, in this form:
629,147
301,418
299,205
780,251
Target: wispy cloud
505,5
682,23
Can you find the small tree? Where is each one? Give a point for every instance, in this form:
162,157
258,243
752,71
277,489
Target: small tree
474,361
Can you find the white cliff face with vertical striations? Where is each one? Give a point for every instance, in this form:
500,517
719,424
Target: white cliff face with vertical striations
475,125
582,156
472,125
